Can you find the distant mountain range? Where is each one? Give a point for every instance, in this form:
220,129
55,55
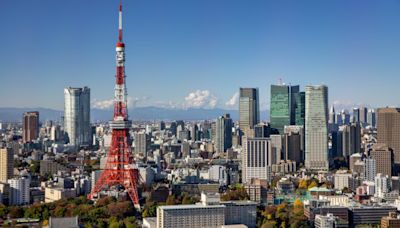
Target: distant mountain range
137,113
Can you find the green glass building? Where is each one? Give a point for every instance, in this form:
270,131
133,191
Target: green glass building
287,106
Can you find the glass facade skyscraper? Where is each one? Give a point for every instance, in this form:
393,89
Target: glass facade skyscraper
287,106
249,110
223,137
316,128
77,116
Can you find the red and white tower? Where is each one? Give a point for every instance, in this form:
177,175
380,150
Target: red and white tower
120,169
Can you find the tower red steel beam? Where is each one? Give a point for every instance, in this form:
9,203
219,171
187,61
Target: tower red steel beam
120,169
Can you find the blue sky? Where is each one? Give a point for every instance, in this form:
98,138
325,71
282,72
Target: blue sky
197,53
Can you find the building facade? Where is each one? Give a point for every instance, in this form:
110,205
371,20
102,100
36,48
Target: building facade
6,164
316,128
19,191
223,133
249,111
389,130
30,126
77,116
256,160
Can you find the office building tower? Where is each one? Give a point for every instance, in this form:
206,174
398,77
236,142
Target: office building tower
194,132
161,125
262,130
356,115
351,139
77,116
371,118
370,168
256,159
382,185
363,115
6,164
300,108
19,191
332,115
173,128
316,129
142,143
249,111
294,143
338,119
282,108
389,130
345,117
276,149
30,128
383,156
223,136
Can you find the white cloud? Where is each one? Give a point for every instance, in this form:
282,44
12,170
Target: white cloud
103,104
200,99
233,101
109,103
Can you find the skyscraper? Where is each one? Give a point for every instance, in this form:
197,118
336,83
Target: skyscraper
223,136
19,189
356,115
351,139
77,115
30,127
371,117
383,156
332,115
363,115
142,143
389,130
256,159
6,164
300,108
294,143
316,129
283,106
249,111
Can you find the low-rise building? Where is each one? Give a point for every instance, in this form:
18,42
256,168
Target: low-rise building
52,194
325,221
390,221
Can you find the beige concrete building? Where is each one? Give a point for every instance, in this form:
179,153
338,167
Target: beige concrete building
383,156
52,194
6,164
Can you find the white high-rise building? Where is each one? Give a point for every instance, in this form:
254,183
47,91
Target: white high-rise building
19,191
370,169
256,159
382,185
77,116
316,129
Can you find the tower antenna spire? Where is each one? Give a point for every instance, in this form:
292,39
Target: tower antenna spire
120,22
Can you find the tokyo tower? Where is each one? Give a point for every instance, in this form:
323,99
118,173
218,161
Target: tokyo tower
120,169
